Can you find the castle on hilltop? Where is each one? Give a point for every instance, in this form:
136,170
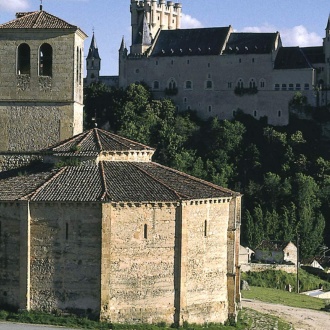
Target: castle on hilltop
217,71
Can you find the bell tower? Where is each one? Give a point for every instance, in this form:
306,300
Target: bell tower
41,81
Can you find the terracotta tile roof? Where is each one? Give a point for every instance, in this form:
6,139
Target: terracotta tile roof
107,180
37,20
18,183
272,245
93,142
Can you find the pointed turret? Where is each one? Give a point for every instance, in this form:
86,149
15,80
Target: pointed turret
93,62
93,52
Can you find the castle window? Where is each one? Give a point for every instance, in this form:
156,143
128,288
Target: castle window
137,70
188,108
262,83
80,66
255,113
172,62
46,60
291,87
156,62
145,231
252,83
240,83
279,113
92,76
172,84
188,84
156,84
234,113
209,76
208,65
306,87
252,60
240,60
283,87
188,61
23,59
298,87
185,100
210,108
209,84
277,87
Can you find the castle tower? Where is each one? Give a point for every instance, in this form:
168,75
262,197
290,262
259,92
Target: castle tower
326,45
41,81
150,16
93,63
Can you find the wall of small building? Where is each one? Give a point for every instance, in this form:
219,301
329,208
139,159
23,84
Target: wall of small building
204,269
65,256
139,283
10,254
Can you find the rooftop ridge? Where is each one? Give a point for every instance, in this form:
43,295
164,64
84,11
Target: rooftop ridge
160,182
47,181
104,183
206,183
98,139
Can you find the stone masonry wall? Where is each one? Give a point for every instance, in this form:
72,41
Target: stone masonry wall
65,256
140,282
9,254
206,261
31,128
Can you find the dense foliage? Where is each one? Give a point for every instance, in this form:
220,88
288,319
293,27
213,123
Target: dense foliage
283,172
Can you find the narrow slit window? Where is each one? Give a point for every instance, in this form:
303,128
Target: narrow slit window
205,228
145,231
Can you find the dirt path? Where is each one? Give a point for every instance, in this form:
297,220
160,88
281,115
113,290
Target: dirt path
301,319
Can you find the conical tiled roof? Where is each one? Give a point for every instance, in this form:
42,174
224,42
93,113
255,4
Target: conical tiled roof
37,20
94,142
110,179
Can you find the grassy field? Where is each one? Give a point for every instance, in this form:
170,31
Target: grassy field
248,319
284,298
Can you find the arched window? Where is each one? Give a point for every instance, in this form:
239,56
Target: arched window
240,83
46,60
262,83
252,83
23,59
188,84
156,84
172,84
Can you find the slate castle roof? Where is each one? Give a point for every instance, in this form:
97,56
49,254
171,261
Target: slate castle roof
105,180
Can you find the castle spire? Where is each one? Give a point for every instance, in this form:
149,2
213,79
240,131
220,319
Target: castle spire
93,50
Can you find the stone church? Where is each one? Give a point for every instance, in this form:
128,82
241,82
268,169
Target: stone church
217,71
93,225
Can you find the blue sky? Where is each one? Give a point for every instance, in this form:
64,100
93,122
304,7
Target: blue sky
300,22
